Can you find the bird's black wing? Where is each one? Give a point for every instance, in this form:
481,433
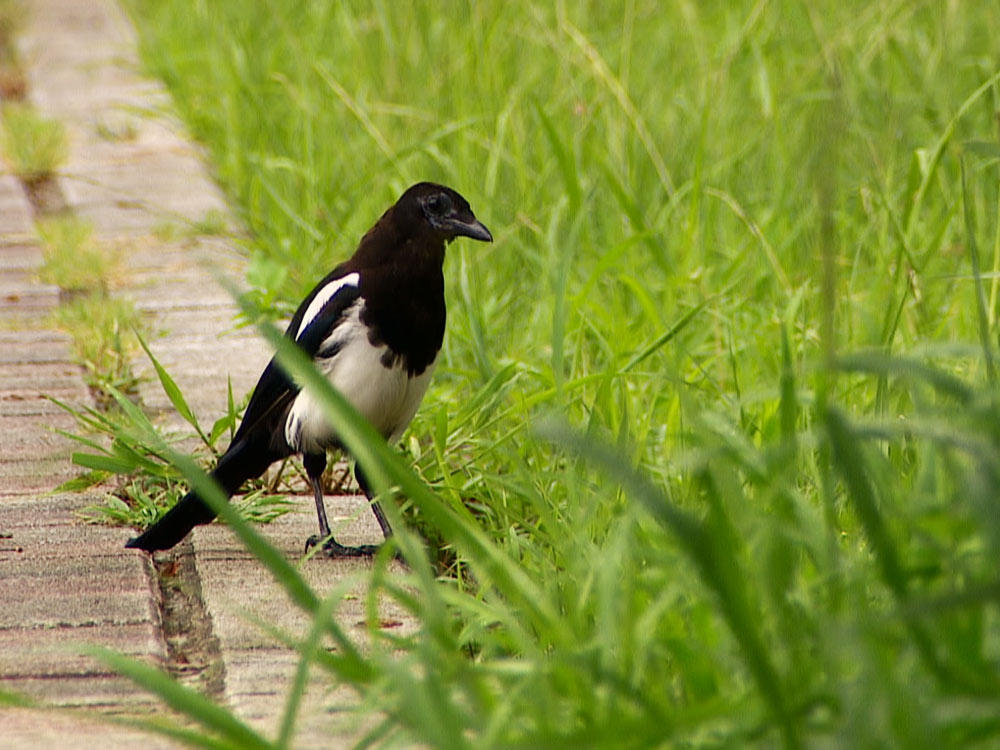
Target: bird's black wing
260,439
313,322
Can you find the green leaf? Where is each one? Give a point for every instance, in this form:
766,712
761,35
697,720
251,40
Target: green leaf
981,303
219,426
173,392
82,482
932,161
127,453
849,459
109,464
664,338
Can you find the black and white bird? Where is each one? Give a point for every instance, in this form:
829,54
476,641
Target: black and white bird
374,326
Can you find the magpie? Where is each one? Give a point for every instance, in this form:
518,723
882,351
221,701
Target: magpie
373,326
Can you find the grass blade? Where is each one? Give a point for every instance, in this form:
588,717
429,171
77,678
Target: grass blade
188,702
110,464
939,147
970,239
308,651
173,391
664,338
712,559
850,462
878,362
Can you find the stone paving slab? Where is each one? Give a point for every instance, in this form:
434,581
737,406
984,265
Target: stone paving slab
51,651
30,729
97,690
24,401
34,348
175,255
183,290
239,592
30,302
137,197
65,584
24,439
15,212
18,255
23,282
83,70
328,716
204,327
39,378
37,367
33,478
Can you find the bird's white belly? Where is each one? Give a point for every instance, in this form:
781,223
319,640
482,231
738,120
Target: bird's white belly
386,396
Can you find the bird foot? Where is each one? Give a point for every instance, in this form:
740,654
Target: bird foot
333,548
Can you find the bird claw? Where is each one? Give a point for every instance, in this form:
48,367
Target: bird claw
333,548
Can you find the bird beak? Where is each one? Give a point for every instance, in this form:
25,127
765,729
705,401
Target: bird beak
474,229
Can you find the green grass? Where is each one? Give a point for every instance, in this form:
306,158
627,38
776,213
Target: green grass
123,445
73,260
107,332
35,147
749,255
102,327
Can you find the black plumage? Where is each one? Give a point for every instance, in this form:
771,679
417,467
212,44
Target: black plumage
374,326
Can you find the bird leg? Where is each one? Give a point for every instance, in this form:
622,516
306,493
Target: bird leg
314,465
383,522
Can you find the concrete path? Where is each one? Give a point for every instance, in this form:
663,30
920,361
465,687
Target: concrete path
63,582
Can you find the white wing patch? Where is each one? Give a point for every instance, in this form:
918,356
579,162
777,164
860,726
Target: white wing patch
323,296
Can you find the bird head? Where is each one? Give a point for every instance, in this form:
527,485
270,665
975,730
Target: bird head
444,211
417,227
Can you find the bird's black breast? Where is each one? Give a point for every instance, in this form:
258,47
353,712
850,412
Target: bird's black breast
405,310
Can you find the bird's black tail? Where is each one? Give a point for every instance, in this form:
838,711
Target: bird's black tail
241,462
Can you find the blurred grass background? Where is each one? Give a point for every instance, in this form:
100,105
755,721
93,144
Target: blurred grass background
749,253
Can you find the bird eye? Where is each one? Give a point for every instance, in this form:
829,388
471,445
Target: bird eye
439,204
